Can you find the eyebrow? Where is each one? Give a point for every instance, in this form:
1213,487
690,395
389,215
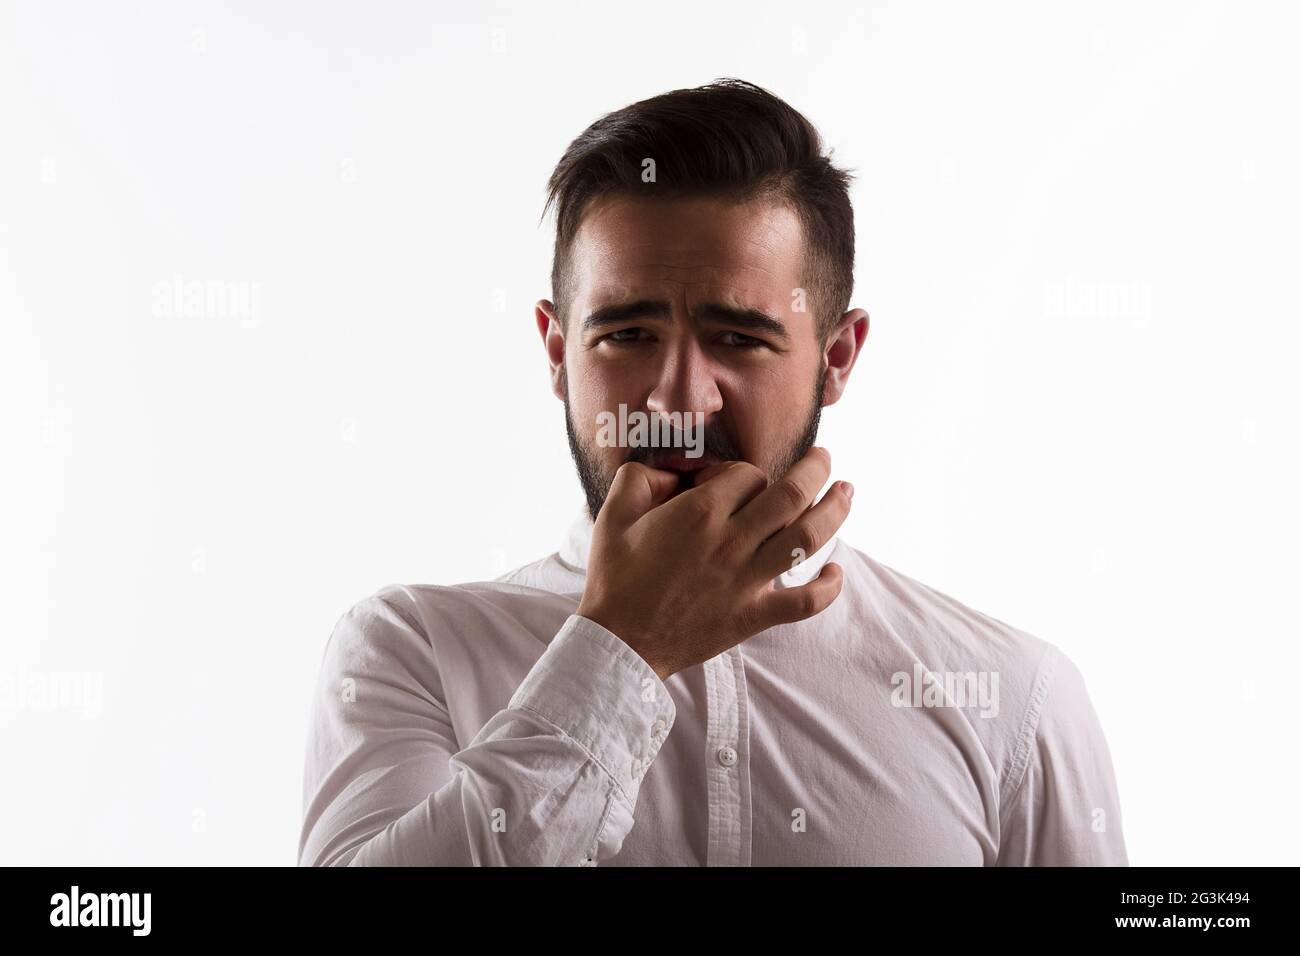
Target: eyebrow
755,320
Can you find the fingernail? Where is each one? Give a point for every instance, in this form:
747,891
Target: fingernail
848,489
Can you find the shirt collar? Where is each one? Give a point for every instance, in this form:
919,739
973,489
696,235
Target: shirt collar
577,542
577,546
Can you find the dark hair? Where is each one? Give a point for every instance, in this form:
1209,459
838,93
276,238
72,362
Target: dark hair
730,139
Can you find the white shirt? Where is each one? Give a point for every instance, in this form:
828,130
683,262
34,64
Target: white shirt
488,724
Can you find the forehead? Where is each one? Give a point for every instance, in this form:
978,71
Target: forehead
628,246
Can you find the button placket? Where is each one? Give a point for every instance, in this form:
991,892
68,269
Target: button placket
727,771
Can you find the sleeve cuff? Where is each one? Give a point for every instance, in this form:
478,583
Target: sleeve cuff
600,692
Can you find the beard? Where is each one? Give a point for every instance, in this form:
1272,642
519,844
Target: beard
717,443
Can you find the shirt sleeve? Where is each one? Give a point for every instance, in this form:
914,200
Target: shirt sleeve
1063,808
550,779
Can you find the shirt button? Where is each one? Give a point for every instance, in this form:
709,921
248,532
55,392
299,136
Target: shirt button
727,756
657,730
635,769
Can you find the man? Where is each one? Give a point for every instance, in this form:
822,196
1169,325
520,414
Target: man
703,674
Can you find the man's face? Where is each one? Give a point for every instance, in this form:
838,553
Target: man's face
689,306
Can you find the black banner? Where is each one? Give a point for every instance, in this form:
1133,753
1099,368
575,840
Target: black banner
942,905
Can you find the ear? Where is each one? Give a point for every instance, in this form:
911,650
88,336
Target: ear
552,330
843,346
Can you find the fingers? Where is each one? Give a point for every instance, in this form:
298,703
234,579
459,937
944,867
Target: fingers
788,605
787,499
635,490
808,534
711,472
731,484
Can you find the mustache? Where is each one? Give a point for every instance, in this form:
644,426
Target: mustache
716,443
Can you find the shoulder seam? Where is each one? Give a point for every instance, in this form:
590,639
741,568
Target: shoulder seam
1014,774
382,596
510,577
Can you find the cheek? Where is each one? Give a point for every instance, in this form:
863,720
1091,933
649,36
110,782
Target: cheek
767,413
596,386
591,392
757,394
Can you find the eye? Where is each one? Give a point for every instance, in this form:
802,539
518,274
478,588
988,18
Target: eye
623,336
741,341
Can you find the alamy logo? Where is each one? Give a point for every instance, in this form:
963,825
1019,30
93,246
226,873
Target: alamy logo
644,430
194,299
102,909
925,688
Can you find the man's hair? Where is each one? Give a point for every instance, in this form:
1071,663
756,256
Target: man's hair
728,139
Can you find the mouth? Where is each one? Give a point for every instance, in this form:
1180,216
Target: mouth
685,481
686,469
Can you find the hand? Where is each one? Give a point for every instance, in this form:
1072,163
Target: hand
682,580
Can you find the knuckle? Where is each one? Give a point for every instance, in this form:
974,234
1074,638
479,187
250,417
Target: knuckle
624,479
789,494
732,544
749,620
699,508
808,605
807,538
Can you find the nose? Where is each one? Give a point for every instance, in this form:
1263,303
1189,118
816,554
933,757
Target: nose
686,382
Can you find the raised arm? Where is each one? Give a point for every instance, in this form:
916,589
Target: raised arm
551,779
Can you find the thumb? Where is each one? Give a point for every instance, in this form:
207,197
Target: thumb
636,489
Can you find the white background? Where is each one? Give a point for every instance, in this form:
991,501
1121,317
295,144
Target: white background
1077,242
